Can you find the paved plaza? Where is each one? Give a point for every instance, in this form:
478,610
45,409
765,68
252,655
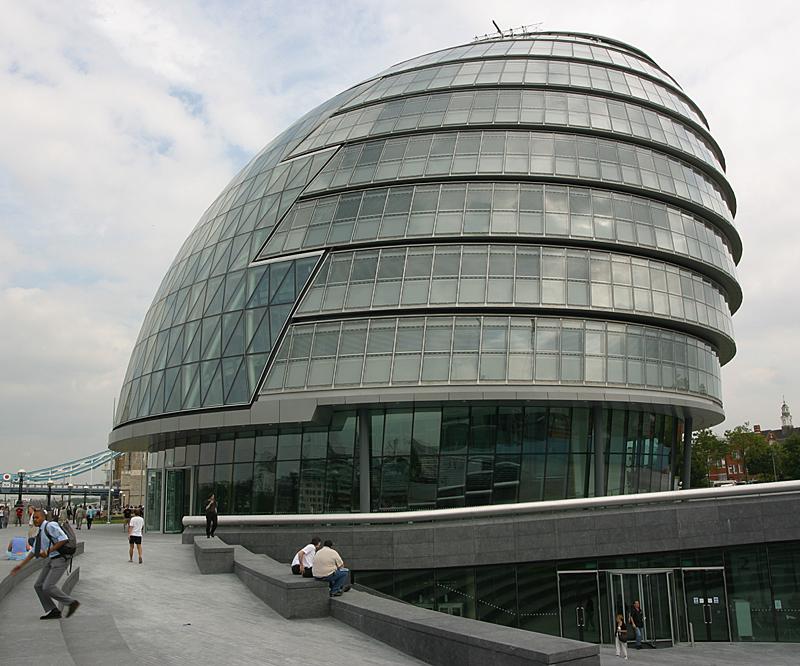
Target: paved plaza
165,612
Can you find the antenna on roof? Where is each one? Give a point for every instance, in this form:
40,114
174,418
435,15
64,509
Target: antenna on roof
497,27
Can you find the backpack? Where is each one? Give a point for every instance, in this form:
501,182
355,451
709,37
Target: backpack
69,548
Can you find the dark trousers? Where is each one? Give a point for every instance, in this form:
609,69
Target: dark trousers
211,524
46,585
306,571
89,522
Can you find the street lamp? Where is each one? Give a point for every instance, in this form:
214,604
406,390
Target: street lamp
21,476
49,492
69,498
85,490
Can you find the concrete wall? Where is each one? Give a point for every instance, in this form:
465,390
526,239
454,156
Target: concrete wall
535,538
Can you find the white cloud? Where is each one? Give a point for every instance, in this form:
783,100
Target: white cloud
121,122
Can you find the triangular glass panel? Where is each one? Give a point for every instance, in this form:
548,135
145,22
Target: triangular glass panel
248,218
238,392
288,197
222,256
278,180
258,279
278,314
234,291
269,204
211,383
232,219
229,323
211,337
285,293
157,393
257,330
160,359
183,305
172,389
191,342
191,385
131,409
230,367
196,301
240,252
176,344
147,365
298,177
279,273
244,192
144,397
235,345
191,270
255,367
205,263
257,243
214,296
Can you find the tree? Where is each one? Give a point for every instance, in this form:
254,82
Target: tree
706,447
754,451
788,456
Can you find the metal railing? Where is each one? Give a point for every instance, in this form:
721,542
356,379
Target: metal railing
507,510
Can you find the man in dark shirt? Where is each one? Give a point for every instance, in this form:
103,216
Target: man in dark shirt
636,618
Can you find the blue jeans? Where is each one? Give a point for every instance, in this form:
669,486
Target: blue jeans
638,631
337,579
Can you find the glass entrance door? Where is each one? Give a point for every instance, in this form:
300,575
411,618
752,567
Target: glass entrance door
654,591
176,499
706,603
579,601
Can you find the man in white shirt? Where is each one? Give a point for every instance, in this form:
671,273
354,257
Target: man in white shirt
303,561
135,528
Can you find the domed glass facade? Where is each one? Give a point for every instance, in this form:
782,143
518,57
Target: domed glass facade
500,272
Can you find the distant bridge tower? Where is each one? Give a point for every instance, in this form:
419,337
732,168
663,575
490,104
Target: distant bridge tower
786,419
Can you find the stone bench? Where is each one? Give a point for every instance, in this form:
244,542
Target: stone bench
442,640
213,555
291,596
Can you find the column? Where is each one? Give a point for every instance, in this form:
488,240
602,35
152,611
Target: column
599,441
686,476
364,460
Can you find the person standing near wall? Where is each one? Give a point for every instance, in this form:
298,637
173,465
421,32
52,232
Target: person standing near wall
211,516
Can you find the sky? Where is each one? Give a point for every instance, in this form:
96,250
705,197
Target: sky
120,122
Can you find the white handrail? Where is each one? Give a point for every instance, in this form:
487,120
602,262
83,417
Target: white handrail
504,510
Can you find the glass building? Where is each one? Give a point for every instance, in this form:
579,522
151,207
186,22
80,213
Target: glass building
500,272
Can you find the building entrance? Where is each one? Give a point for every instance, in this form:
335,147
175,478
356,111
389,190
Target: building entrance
177,500
677,604
706,601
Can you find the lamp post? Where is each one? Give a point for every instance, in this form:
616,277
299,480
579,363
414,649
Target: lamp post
21,476
85,490
49,493
69,497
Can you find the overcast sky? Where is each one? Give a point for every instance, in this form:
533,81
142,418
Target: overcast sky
121,122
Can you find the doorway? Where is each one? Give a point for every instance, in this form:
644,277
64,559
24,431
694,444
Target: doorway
706,603
655,591
177,498
579,605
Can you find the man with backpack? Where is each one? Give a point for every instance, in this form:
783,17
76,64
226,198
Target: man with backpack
56,547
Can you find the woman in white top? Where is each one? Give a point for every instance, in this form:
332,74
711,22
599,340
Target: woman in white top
135,529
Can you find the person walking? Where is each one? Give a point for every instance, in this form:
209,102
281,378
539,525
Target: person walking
80,514
621,637
126,515
18,513
3,517
50,540
135,529
211,516
89,517
636,618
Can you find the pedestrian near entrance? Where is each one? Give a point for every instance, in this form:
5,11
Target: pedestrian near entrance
636,618
621,637
211,516
135,529
49,543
